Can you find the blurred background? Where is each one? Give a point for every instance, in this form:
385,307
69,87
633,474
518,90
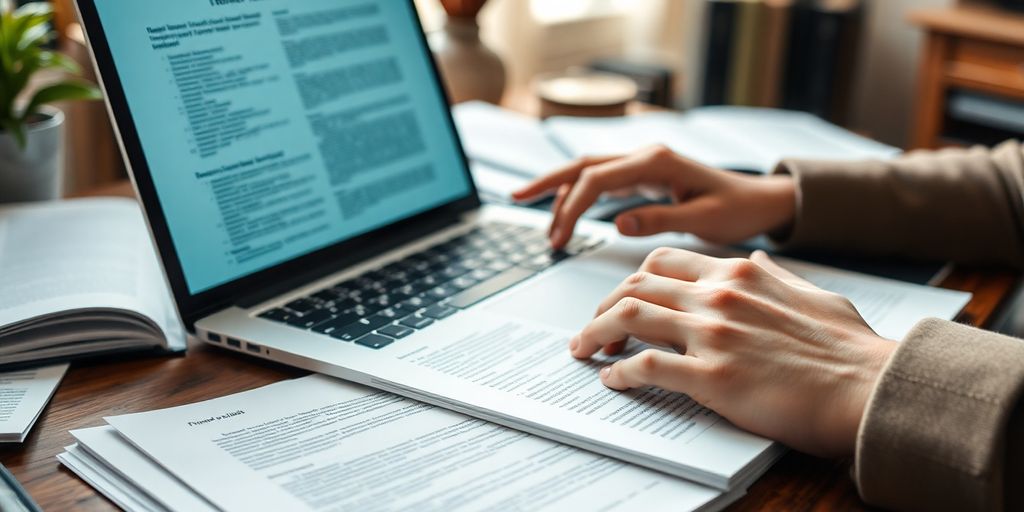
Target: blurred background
911,73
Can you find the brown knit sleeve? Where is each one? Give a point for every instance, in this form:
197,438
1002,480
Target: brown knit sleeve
951,205
944,427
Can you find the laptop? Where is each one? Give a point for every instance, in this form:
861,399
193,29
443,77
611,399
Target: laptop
311,204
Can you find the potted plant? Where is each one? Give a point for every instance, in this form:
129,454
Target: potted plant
30,128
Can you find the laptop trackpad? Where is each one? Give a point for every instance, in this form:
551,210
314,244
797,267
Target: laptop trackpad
567,295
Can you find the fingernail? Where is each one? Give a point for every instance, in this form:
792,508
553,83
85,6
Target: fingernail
606,371
630,225
574,343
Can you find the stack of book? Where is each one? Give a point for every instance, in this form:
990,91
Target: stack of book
796,54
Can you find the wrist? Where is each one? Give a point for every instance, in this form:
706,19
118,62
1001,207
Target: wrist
861,384
780,200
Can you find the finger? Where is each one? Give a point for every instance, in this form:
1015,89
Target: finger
648,322
594,181
654,219
761,258
563,190
660,290
613,349
674,372
678,264
566,174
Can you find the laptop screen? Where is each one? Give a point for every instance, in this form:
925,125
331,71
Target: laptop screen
273,128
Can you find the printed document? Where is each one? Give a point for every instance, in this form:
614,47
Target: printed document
23,396
322,444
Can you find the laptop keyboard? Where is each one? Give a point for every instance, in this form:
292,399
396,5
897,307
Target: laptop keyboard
394,301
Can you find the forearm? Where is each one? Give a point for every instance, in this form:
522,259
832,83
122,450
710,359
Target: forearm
953,205
943,429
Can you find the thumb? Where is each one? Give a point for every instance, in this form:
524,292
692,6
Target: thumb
654,219
764,261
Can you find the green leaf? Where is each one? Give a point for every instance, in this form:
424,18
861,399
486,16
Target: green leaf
34,9
63,91
50,60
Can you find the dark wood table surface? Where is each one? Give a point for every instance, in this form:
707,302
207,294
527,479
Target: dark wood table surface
91,391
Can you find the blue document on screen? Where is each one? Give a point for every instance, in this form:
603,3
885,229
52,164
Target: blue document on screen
327,151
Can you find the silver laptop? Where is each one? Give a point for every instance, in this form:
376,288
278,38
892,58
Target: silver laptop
306,190
301,173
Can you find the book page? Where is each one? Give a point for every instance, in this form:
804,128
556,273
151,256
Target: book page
23,396
321,444
77,255
67,250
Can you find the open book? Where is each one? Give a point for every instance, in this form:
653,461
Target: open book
80,278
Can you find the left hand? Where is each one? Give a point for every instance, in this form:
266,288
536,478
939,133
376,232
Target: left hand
764,348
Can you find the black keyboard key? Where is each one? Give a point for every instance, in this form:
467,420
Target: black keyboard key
362,311
438,312
327,295
489,287
499,265
336,323
442,292
312,318
417,303
463,282
380,301
482,274
351,332
375,341
396,331
301,306
416,321
453,271
379,320
346,303
277,315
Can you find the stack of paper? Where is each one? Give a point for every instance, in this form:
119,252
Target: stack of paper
317,443
23,396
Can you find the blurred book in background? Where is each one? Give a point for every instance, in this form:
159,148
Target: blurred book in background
795,54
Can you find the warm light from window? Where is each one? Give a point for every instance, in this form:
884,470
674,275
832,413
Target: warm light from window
567,10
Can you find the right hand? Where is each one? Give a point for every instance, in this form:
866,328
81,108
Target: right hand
719,206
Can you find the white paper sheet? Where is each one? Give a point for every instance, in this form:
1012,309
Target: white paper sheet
320,444
114,487
23,396
136,470
508,140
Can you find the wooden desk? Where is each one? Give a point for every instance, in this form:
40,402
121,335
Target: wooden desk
90,392
974,48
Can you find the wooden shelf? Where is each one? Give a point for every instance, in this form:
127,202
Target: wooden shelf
970,47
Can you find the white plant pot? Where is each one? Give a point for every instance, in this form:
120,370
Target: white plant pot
34,173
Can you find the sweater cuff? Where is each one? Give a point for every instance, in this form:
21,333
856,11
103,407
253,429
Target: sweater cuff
934,434
829,200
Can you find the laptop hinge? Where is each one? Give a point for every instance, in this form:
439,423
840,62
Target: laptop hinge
393,238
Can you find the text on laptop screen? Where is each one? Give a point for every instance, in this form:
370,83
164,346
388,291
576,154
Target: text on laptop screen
273,128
